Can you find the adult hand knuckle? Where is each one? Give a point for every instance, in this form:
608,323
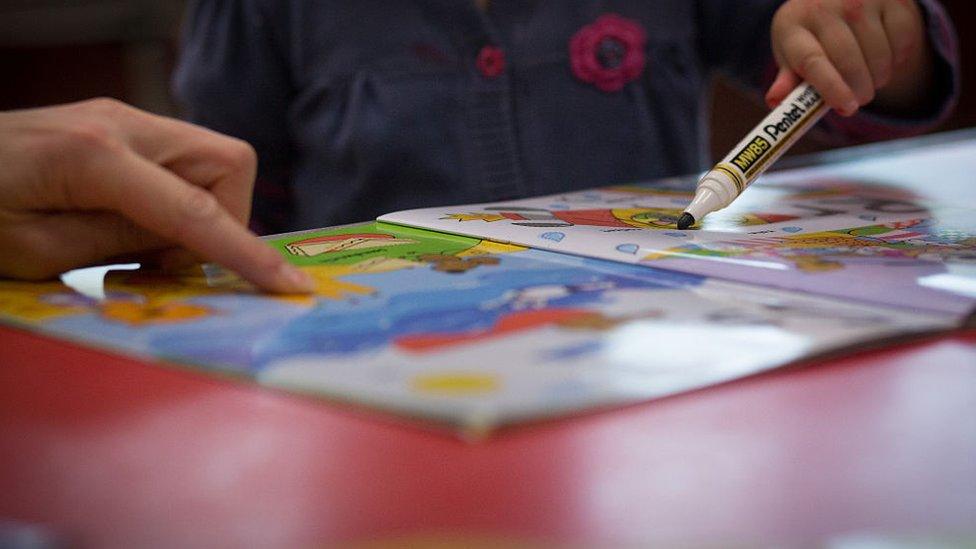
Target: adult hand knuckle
232,157
106,106
91,137
197,204
94,135
241,156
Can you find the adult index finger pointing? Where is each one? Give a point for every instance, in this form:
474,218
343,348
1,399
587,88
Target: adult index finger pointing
190,216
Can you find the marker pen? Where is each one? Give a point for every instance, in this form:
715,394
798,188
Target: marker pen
753,155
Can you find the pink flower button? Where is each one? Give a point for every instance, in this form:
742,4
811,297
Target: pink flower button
608,53
491,61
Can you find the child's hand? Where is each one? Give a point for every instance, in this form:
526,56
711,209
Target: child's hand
852,52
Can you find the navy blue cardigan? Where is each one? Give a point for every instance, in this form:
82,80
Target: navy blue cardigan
358,108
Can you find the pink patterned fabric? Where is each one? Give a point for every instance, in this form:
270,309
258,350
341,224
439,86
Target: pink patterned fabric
491,61
608,53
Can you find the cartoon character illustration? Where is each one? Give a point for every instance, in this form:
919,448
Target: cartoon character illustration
318,245
657,190
813,263
619,218
453,264
489,247
599,322
508,323
848,191
516,322
750,219
539,296
827,250
136,298
540,217
137,313
37,302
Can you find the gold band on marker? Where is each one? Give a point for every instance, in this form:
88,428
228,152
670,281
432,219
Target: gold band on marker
733,175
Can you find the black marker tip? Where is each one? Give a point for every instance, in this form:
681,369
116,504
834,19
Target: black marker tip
686,220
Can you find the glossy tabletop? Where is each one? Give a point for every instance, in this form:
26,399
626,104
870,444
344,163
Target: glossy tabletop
109,451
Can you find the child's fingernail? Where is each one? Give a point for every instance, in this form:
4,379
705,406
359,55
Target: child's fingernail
850,107
296,279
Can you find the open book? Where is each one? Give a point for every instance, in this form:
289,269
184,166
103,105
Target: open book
482,315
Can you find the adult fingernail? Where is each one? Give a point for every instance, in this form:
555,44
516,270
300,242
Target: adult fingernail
295,279
850,107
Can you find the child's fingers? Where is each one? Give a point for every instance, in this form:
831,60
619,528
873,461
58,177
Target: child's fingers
873,41
901,28
804,54
786,81
842,48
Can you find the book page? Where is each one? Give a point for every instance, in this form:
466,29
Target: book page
897,230
458,330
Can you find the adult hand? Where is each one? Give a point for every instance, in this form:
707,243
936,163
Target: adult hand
89,181
853,52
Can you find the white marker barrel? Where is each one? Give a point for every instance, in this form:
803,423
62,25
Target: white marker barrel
786,123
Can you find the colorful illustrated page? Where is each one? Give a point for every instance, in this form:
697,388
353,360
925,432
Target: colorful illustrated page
896,230
457,329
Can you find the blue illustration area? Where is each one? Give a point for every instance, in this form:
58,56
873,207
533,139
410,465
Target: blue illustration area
244,332
422,301
230,338
225,339
575,351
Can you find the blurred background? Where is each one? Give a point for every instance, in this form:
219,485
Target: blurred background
56,51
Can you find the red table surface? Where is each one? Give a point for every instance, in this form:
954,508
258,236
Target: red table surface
109,451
